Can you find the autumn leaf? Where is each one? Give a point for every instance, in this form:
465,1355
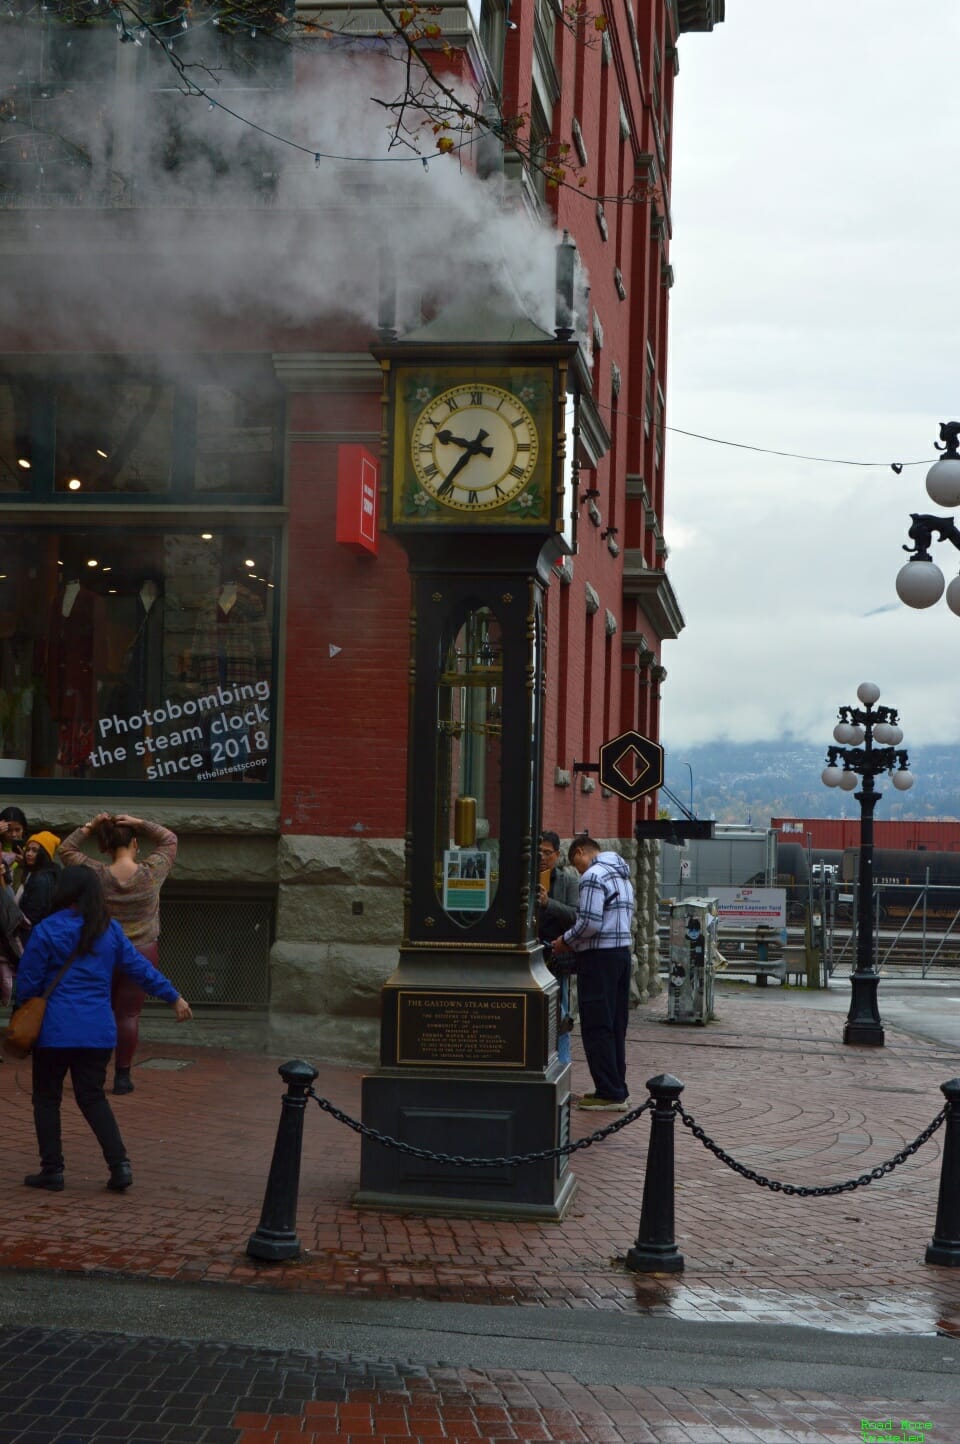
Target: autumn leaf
599,22
445,144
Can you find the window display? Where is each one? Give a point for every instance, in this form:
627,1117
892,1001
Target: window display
137,656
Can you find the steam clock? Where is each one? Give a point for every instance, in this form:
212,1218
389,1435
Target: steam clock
477,491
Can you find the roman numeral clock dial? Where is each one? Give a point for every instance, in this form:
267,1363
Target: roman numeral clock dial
474,447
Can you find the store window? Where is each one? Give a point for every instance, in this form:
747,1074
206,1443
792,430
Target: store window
113,435
236,436
16,449
137,657
175,428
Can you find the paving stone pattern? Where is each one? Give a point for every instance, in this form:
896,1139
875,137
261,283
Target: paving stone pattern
771,1081
65,1387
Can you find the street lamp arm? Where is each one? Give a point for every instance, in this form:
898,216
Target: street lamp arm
871,715
950,436
921,534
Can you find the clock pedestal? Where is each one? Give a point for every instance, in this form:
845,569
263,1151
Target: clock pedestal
468,1060
474,473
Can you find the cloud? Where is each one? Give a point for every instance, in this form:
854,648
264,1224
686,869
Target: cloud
815,224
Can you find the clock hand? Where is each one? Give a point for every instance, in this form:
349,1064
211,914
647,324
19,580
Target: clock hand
447,438
451,476
473,448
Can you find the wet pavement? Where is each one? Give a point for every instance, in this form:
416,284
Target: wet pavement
71,1387
770,1080
736,1348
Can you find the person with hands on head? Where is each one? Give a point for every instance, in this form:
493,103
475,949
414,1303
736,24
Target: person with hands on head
79,1031
131,887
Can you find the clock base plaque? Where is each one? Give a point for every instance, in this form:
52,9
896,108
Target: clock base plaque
485,1115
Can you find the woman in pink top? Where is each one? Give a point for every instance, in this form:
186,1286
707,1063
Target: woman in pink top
132,891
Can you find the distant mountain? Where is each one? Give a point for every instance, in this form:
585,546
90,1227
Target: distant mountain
754,781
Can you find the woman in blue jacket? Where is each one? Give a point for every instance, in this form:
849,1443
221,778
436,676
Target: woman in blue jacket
79,1032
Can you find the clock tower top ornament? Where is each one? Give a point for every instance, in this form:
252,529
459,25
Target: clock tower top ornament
474,439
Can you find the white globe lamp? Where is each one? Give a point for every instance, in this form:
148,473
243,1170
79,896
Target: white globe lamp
953,596
920,584
902,780
943,482
849,781
868,692
830,776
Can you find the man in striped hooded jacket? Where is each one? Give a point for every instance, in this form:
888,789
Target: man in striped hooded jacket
600,938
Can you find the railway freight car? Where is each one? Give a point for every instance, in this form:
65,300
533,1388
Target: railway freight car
800,872
900,878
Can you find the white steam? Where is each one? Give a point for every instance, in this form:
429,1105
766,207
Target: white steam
220,218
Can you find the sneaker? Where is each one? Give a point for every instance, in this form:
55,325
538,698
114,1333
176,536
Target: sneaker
122,1082
604,1105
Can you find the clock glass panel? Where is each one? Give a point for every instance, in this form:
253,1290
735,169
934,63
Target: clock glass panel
469,729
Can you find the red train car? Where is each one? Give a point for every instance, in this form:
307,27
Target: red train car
906,836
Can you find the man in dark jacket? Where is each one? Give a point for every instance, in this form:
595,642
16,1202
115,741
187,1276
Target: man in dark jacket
556,910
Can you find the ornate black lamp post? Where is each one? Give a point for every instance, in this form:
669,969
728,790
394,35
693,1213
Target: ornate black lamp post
920,583
859,730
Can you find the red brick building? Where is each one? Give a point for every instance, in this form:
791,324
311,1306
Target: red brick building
190,294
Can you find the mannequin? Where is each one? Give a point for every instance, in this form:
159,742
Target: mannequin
231,644
144,657
70,672
231,648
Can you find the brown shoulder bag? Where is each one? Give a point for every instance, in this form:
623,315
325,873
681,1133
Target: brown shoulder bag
23,1030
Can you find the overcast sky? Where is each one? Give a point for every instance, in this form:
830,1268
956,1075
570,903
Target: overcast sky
816,209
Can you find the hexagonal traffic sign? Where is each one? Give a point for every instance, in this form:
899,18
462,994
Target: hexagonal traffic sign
626,753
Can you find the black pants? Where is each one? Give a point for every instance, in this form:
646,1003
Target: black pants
603,987
88,1072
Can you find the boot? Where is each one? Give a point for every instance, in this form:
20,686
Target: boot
49,1178
122,1082
121,1177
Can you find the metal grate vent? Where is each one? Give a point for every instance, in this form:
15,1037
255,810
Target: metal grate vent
217,950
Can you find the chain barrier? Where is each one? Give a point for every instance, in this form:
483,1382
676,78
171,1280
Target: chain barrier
462,1161
825,1190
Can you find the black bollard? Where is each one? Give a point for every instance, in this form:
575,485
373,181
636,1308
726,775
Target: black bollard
275,1236
945,1246
655,1251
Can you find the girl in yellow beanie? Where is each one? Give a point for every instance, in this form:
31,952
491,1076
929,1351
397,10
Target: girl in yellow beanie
40,876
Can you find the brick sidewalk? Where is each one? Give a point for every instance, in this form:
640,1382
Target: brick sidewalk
65,1387
771,1081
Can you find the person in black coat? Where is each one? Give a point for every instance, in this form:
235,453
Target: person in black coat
40,876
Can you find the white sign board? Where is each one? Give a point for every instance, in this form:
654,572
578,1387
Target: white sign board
747,907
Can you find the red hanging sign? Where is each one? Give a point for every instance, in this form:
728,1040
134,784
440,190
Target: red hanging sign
358,478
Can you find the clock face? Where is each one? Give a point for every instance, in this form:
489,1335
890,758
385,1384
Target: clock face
474,447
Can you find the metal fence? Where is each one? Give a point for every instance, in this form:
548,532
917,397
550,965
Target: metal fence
916,925
216,947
